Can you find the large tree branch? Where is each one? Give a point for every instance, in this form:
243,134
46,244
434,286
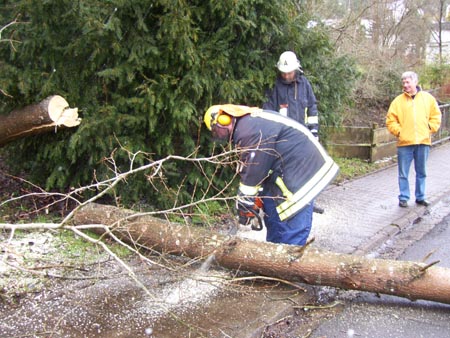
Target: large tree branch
307,264
46,116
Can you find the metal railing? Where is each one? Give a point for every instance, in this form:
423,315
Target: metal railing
443,133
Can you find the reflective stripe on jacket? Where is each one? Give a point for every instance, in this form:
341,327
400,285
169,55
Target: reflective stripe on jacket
413,120
283,157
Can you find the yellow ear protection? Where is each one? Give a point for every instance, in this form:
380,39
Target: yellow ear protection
221,129
224,119
220,119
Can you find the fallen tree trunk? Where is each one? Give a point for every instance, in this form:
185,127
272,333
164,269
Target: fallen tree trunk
34,119
307,264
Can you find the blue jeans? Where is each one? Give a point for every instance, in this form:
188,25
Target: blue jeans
418,153
293,231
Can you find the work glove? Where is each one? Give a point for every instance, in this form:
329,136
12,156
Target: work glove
247,208
314,129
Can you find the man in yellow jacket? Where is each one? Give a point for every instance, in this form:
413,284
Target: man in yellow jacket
412,117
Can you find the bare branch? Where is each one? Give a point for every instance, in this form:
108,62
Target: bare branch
5,27
11,42
154,170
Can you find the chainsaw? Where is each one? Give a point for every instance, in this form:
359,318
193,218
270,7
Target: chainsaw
256,216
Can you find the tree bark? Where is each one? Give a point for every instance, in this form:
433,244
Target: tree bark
306,264
43,117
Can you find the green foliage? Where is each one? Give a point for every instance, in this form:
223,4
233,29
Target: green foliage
351,168
434,75
332,88
142,73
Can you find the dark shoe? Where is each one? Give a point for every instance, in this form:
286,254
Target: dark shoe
425,203
403,204
318,210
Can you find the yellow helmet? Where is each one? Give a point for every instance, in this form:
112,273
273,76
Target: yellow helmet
223,114
211,116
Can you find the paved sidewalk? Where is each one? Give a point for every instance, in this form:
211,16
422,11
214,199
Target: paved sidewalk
359,217
363,213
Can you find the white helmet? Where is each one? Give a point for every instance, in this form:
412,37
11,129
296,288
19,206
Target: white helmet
288,62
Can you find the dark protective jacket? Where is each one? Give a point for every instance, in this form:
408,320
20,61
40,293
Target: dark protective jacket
296,98
281,156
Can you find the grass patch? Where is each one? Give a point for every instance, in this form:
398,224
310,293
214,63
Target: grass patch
81,249
351,168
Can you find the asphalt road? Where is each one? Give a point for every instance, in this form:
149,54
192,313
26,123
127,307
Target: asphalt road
367,315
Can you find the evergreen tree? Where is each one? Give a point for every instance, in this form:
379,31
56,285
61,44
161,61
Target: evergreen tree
142,73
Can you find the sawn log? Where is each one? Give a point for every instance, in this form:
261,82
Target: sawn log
311,265
46,116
